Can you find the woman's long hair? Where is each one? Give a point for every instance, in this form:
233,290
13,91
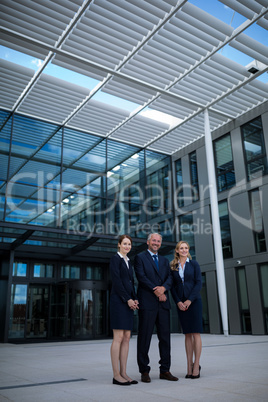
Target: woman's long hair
175,262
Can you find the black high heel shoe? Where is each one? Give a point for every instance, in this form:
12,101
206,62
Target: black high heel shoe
189,375
120,383
196,376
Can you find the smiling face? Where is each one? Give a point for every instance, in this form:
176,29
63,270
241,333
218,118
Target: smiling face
183,250
124,246
154,243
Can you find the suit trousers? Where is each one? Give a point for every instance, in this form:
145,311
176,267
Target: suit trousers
147,320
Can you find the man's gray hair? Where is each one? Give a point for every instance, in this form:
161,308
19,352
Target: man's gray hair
155,233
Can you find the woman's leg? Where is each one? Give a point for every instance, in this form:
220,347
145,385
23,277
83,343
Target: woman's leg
197,347
124,355
118,335
189,352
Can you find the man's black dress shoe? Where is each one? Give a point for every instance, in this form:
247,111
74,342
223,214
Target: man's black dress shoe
168,376
145,377
120,383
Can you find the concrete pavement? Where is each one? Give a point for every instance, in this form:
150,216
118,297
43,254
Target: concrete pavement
234,368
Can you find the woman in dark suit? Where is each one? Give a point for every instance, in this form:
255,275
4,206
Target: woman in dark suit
123,302
187,283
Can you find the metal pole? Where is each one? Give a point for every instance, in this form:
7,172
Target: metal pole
216,225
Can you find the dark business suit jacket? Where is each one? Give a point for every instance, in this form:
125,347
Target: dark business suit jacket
190,290
122,279
149,277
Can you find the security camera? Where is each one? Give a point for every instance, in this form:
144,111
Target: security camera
238,262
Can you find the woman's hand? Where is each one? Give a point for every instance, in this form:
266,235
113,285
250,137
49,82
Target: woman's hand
187,303
183,306
133,304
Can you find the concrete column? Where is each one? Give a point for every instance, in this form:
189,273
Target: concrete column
216,224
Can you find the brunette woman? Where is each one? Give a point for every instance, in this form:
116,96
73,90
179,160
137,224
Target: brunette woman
123,302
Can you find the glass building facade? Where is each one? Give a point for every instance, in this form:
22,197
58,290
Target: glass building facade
67,195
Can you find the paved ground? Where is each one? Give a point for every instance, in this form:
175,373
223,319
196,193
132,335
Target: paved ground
234,368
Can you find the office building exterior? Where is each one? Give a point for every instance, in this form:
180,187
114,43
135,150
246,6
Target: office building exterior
76,172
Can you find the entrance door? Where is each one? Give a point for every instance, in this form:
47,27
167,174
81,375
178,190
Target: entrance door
77,311
83,314
59,317
89,312
37,311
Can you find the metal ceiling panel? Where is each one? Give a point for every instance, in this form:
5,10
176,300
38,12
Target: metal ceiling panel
53,99
36,19
13,79
144,129
97,117
248,8
79,66
131,91
162,55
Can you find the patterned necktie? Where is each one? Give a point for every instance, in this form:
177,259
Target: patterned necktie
156,261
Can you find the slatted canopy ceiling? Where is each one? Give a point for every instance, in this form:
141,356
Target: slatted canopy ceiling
164,55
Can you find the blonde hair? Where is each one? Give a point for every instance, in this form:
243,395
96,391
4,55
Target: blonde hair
174,263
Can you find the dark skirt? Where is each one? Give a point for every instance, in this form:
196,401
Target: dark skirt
121,316
191,319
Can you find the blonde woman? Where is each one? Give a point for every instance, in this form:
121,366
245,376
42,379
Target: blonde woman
187,283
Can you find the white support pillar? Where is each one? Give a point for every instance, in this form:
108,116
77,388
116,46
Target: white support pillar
216,225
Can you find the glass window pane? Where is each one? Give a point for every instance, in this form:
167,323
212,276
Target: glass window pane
43,271
125,168
224,163
70,272
243,288
19,269
254,148
243,299
17,311
5,124
187,232
89,273
37,311
205,314
84,144
264,284
29,135
179,189
225,230
98,273
257,221
94,161
194,176
264,291
34,183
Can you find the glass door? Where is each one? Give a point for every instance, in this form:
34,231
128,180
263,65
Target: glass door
88,312
59,317
83,314
37,311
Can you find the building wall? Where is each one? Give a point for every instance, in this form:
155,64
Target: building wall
243,243
244,256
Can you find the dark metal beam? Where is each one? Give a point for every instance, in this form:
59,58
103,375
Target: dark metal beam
25,236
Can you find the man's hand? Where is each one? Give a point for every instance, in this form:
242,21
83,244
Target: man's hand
162,298
159,290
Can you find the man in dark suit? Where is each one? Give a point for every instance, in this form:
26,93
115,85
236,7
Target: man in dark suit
155,280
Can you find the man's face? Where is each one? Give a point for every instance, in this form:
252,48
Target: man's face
154,243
